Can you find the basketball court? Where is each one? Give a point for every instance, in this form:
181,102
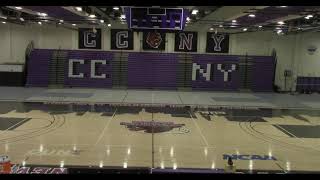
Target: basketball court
159,89
70,135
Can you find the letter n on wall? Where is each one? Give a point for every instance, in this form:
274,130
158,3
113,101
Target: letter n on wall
186,41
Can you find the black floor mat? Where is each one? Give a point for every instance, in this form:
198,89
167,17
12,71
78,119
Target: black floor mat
300,131
11,123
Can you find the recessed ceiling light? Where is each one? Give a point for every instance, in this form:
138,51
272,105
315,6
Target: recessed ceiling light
102,21
260,26
252,15
116,8
39,22
195,11
309,16
234,21
21,19
283,6
244,29
59,23
18,7
221,25
73,24
123,16
3,22
109,25
92,16
42,14
61,20
211,29
281,22
79,8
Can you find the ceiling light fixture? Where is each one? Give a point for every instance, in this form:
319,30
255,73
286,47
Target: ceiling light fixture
92,16
283,6
101,21
109,25
39,22
61,20
221,25
3,22
195,11
260,26
18,7
244,29
116,8
123,16
21,19
252,15
188,19
309,16
79,8
234,21
281,22
42,14
73,24
211,29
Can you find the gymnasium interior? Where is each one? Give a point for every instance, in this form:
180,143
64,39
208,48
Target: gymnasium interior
159,89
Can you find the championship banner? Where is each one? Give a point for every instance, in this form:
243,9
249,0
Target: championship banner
153,40
217,43
89,38
186,41
121,39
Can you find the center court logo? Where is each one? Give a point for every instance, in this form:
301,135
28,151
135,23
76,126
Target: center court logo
154,126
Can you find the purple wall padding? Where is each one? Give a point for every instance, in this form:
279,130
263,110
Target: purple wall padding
217,83
86,67
152,70
38,68
263,72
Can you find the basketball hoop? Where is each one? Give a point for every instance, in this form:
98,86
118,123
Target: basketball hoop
5,165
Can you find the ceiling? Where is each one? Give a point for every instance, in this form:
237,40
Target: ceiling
231,19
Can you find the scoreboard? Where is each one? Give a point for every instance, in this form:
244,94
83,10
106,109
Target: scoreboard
156,18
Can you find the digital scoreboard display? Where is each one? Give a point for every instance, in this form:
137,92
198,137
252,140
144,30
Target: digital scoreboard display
156,18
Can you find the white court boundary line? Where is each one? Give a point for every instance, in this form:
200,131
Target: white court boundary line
300,139
13,125
108,123
195,123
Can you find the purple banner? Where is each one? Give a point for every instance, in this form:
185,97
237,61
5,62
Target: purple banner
218,77
38,68
152,70
87,67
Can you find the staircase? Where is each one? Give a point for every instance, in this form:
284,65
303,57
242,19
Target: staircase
119,70
245,72
184,75
56,69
